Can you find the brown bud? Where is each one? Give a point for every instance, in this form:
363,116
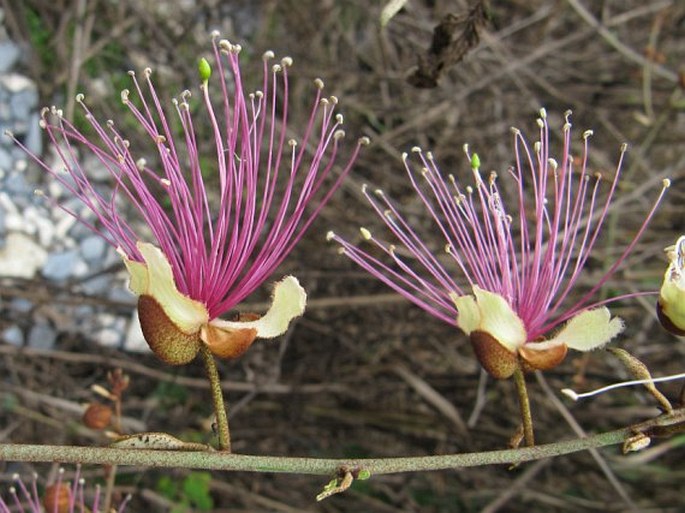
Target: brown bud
97,416
57,498
166,340
496,359
544,359
118,381
640,371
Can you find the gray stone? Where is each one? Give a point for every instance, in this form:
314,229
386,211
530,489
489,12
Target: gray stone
34,138
97,171
83,312
97,286
24,103
15,183
21,305
9,53
5,160
59,266
93,249
13,335
121,295
42,336
2,221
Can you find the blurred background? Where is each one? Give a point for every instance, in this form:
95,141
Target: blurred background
363,373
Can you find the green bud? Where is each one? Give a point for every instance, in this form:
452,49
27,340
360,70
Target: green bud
204,69
475,161
363,475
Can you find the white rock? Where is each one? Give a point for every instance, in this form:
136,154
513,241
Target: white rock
14,221
134,336
46,231
14,82
80,268
108,337
21,257
63,226
13,335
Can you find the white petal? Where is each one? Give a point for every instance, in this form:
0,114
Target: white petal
468,317
499,319
186,313
590,329
288,302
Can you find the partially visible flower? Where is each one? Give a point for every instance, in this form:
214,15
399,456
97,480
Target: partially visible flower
671,304
59,497
521,260
206,259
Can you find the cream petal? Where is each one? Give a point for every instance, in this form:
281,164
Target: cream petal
158,282
288,302
499,319
590,330
468,317
138,282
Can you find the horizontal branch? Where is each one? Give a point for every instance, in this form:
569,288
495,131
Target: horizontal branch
316,466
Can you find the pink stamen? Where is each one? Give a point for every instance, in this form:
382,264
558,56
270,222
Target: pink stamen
218,255
533,258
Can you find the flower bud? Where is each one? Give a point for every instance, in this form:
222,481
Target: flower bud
670,307
204,69
57,498
97,416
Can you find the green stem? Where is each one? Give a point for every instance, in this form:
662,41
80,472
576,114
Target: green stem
238,462
217,399
524,406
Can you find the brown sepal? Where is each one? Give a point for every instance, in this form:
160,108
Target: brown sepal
227,343
496,359
666,322
169,343
546,359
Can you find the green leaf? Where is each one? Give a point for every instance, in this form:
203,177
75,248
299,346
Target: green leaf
167,487
196,490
